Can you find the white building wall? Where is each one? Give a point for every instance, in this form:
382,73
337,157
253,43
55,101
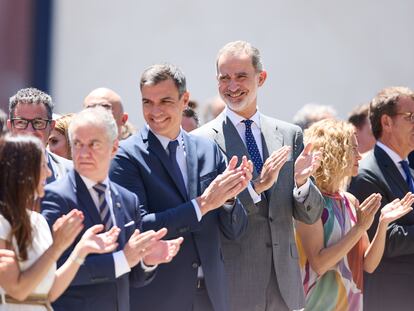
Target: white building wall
337,53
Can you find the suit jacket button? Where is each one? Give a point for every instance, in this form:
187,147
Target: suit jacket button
268,244
194,265
270,218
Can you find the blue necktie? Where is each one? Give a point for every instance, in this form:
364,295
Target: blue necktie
407,172
103,207
172,148
252,147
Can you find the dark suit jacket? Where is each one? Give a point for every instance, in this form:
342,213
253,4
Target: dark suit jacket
142,166
95,286
390,286
269,243
58,166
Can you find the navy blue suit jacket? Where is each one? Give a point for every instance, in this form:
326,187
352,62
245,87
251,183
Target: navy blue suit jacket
95,286
142,166
389,287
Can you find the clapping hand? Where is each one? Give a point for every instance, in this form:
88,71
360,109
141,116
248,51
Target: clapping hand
397,208
66,229
163,251
366,211
271,169
226,185
306,164
94,242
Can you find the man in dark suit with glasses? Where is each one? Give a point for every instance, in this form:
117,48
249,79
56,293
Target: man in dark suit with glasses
30,113
385,170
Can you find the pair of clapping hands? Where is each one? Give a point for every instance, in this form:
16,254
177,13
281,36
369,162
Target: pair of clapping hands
390,212
146,246
235,179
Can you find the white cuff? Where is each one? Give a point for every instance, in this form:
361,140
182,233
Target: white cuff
146,268
197,209
253,194
121,263
302,192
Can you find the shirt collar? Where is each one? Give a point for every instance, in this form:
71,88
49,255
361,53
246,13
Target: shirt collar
90,183
165,140
237,119
391,153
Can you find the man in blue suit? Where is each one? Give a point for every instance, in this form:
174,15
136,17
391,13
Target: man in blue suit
184,185
103,281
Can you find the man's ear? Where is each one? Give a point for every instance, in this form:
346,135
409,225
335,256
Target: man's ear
114,148
124,118
186,98
262,77
386,123
9,124
52,124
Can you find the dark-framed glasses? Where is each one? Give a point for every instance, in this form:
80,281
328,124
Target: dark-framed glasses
37,124
409,116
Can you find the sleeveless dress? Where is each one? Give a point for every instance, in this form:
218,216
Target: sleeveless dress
341,287
42,239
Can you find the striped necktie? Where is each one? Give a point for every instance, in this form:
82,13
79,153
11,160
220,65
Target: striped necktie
103,206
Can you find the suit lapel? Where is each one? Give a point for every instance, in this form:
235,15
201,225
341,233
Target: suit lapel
155,147
51,178
118,211
192,165
85,201
398,184
272,138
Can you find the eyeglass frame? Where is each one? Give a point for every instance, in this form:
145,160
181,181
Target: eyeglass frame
48,121
409,116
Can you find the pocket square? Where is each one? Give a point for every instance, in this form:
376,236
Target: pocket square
129,224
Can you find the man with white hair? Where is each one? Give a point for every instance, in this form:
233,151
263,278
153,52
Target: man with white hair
103,281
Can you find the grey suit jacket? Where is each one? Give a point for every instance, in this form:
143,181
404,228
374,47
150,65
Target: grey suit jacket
269,239
390,286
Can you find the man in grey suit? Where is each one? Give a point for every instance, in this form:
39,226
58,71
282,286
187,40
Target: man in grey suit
30,113
262,266
385,170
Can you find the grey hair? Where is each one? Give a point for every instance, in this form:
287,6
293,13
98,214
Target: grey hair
162,72
31,95
311,113
97,116
240,47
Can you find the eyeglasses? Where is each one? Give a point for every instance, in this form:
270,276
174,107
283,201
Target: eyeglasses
37,124
409,116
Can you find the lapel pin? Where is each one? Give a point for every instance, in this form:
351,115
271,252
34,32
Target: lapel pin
118,205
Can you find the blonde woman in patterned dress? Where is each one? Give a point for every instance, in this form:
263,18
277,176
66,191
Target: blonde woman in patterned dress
336,250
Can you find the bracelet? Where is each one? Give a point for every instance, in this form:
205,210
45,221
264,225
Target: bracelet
77,259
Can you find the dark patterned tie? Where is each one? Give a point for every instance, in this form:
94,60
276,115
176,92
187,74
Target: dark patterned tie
172,148
103,206
409,178
252,147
